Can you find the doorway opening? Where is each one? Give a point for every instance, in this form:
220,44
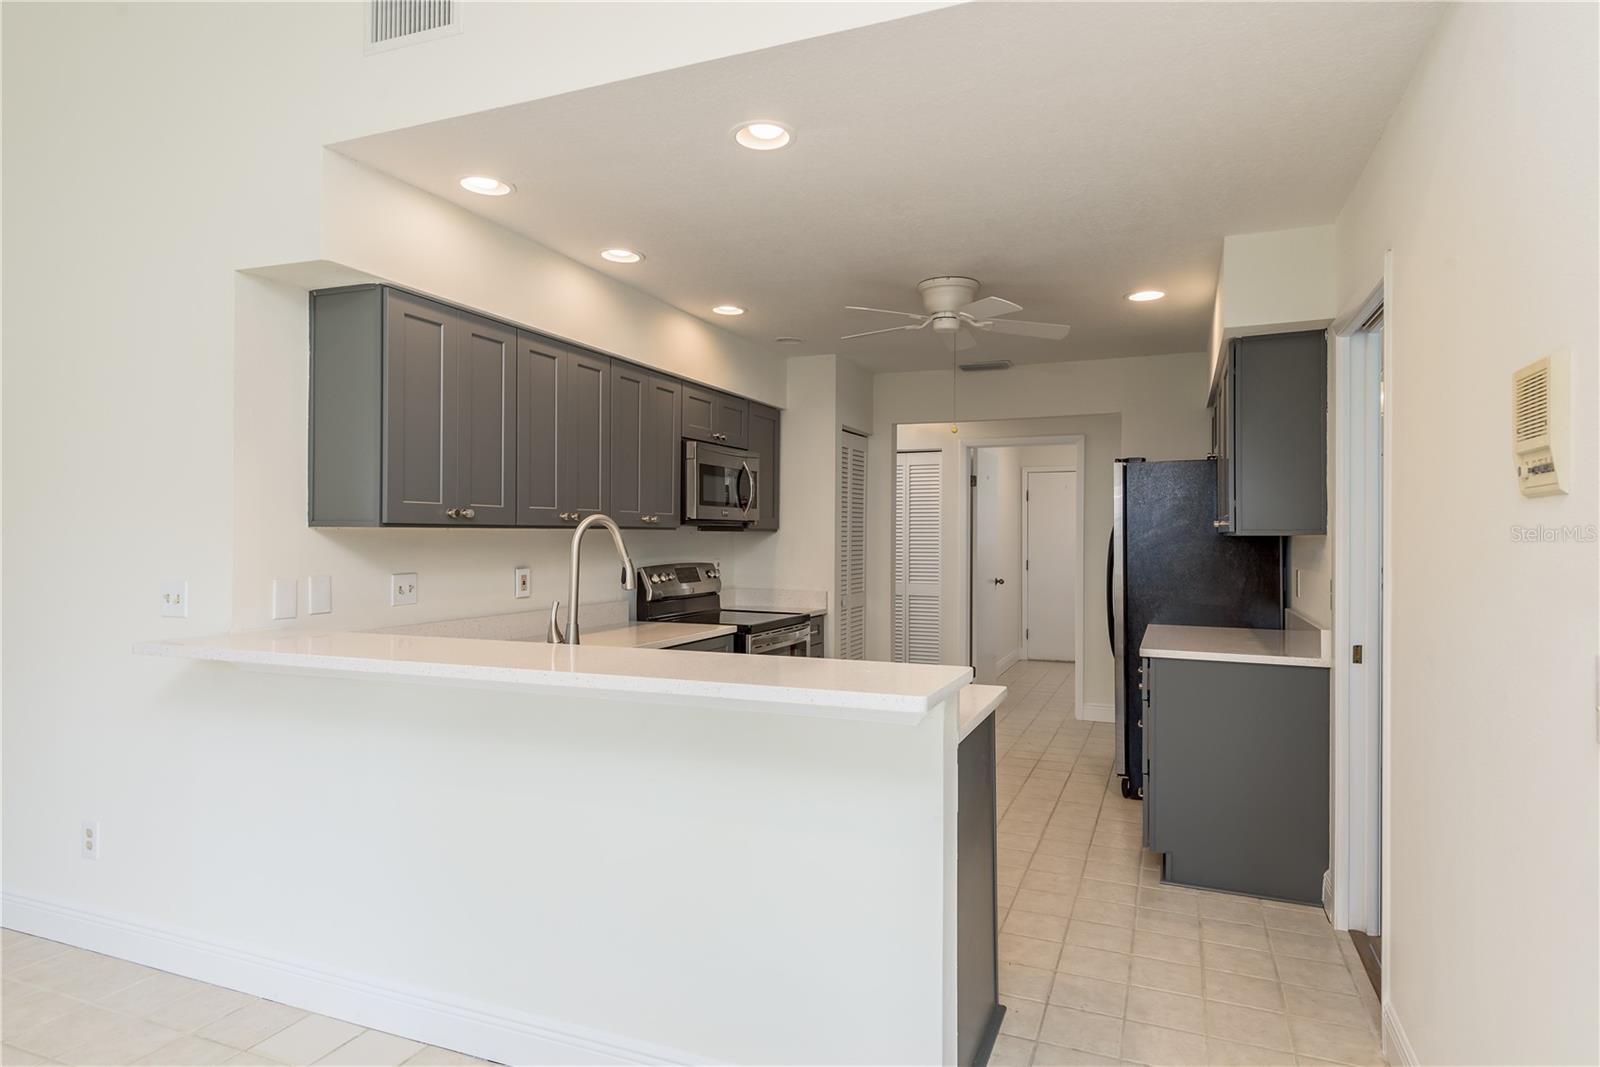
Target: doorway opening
1360,631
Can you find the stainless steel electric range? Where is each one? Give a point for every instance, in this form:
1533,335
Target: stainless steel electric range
692,592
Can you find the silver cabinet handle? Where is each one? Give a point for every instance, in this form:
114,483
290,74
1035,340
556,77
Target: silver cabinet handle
1222,524
462,513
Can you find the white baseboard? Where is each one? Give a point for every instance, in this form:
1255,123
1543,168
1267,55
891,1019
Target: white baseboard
1098,713
1007,660
1396,1048
491,1032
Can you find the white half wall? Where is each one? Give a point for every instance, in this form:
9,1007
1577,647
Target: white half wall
1484,190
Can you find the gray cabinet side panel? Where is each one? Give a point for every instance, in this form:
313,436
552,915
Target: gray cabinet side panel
764,433
629,395
420,420
539,378
346,443
584,425
1280,434
663,450
1241,771
486,364
977,966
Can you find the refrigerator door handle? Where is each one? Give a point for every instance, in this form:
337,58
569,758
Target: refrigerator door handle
1111,607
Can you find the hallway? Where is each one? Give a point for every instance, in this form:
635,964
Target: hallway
1100,963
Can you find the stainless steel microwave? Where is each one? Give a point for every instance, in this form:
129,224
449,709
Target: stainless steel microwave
721,486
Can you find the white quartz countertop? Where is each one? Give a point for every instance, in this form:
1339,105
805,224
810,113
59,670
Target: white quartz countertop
826,688
654,634
978,702
1297,646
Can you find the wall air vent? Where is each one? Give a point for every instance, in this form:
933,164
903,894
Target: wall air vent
1541,423
392,23
990,364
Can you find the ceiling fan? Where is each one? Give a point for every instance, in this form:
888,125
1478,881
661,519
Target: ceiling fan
950,307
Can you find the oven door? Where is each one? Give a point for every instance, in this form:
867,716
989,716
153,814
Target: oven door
721,486
795,641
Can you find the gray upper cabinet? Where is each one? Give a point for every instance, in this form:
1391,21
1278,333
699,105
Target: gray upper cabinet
644,445
1271,436
412,412
764,424
718,417
539,380
562,423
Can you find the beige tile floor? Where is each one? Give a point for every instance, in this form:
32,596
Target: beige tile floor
1101,963
64,1005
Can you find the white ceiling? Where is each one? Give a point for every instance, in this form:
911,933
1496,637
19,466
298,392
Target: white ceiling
1063,154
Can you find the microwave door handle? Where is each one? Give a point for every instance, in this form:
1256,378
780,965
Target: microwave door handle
753,487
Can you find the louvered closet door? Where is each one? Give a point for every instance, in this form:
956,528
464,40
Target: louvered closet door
852,545
918,620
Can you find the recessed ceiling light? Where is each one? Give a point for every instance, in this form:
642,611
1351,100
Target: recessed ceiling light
484,185
1146,294
621,255
728,309
763,135
789,340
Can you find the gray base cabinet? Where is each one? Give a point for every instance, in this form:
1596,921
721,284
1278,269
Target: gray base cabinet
1236,775
978,1007
1270,435
424,414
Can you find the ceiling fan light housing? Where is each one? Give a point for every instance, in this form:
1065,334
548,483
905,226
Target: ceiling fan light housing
947,293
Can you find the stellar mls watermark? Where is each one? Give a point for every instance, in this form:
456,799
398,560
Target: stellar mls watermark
1542,534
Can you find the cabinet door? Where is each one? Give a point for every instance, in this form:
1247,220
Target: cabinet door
420,419
1279,457
629,386
764,426
485,357
539,380
583,430
699,413
731,420
662,451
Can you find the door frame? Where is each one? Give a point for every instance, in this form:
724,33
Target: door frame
1077,599
965,520
1360,777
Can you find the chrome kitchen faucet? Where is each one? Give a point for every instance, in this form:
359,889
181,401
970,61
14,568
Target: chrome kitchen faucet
554,634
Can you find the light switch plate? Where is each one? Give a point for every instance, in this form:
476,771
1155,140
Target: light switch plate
319,594
285,598
174,598
521,583
402,589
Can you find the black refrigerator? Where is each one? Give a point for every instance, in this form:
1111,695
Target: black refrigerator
1167,563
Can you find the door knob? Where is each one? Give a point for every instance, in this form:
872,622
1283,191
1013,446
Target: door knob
999,581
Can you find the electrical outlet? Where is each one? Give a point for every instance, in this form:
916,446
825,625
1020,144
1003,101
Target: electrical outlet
319,594
174,599
402,589
89,842
285,598
521,583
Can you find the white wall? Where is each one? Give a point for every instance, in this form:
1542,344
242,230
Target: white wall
1277,281
153,151
1152,406
1484,188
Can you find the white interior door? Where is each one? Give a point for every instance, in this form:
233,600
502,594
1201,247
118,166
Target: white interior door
1051,548
917,632
852,623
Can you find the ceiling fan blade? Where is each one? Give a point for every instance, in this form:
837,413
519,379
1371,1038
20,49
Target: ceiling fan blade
891,329
1049,331
965,340
886,311
989,307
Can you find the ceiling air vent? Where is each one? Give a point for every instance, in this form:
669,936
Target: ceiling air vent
991,364
1541,424
392,23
